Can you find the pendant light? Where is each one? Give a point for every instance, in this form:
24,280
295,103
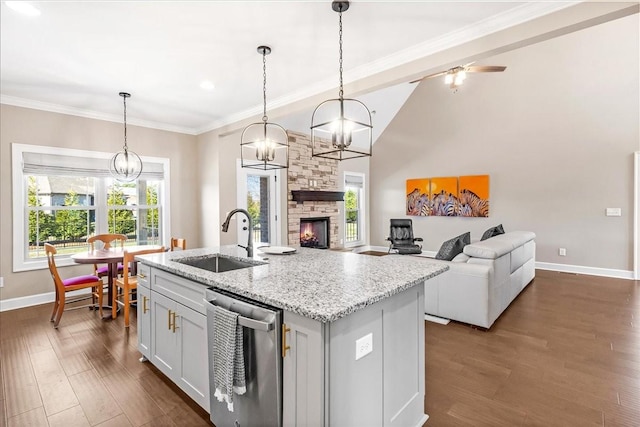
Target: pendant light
341,128
125,165
264,145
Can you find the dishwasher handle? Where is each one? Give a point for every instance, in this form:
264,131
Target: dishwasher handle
247,322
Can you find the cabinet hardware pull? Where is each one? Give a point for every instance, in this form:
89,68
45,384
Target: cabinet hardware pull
144,304
169,319
141,275
285,347
173,325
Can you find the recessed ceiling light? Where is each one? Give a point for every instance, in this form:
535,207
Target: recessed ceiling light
207,85
23,8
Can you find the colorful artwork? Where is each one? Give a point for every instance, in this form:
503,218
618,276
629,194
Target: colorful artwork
474,196
417,196
443,197
449,196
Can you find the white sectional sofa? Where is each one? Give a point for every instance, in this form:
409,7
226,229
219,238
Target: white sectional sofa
483,280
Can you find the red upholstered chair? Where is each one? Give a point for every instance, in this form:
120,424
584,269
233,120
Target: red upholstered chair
68,285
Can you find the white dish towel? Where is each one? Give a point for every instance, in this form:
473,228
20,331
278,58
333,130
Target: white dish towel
228,356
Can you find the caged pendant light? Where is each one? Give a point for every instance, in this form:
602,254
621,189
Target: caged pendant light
341,128
125,165
264,145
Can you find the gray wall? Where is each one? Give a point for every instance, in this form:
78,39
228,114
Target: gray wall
556,132
28,126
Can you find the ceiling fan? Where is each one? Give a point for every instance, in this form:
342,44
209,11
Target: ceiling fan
455,76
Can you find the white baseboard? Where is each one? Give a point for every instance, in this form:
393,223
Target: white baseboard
31,300
580,269
436,319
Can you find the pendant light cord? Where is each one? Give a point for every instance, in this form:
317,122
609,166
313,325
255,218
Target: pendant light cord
264,86
341,93
124,98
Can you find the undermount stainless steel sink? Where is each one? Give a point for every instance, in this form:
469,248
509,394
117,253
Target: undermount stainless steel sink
217,263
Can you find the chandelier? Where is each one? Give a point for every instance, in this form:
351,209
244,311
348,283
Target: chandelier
125,165
341,128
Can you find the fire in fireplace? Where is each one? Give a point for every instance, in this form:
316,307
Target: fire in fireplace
314,232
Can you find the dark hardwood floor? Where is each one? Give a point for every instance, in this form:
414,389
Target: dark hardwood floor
565,353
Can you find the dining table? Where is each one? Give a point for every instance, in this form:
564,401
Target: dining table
111,256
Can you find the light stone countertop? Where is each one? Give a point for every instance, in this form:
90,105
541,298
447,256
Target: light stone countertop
323,285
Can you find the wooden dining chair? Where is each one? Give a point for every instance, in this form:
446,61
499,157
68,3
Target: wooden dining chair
124,286
62,286
177,243
107,241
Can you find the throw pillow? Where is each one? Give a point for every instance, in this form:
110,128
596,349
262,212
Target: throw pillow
493,231
453,247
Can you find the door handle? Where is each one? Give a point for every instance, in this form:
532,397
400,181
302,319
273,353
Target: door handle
285,347
173,322
141,275
144,304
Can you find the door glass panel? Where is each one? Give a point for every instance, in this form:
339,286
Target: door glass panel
258,199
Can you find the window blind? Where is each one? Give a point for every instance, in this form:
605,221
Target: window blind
353,181
57,164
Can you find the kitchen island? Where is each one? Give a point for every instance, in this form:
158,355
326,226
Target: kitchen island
353,329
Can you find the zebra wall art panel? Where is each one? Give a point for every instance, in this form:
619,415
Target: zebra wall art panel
417,196
473,197
443,196
466,196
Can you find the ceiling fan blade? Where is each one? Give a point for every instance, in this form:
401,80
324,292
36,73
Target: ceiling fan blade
441,73
485,68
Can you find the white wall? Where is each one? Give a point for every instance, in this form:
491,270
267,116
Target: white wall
556,133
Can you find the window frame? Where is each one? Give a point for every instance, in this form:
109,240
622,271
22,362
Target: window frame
361,210
19,201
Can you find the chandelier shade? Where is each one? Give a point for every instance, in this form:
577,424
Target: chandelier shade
125,165
264,145
341,128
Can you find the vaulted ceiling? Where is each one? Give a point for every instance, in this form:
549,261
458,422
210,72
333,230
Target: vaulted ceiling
74,57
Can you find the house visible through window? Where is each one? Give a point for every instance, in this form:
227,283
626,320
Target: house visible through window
63,196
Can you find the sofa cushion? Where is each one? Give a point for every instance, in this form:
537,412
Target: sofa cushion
461,257
493,231
499,245
453,247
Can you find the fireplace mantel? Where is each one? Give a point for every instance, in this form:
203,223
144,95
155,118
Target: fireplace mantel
317,196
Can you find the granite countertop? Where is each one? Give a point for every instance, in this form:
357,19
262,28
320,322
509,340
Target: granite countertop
323,285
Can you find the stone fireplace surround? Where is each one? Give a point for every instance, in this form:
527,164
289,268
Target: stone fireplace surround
312,174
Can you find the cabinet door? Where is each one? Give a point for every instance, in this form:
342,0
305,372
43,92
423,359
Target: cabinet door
303,372
194,364
144,321
164,354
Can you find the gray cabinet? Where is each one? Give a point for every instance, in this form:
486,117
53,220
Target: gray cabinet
177,340
144,312
303,371
327,382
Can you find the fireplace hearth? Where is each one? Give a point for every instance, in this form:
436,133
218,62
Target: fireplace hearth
314,232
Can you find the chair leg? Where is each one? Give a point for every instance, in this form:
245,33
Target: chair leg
56,304
60,311
125,299
99,290
114,301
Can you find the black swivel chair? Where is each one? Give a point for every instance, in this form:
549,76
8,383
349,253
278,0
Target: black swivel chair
401,237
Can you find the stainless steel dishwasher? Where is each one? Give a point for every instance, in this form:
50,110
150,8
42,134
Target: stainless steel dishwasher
261,404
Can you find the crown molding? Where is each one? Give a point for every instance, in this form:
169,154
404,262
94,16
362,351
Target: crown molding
490,25
62,109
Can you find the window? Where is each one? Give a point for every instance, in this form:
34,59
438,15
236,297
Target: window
62,196
353,209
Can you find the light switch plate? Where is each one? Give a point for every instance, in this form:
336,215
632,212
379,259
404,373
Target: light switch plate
364,346
613,212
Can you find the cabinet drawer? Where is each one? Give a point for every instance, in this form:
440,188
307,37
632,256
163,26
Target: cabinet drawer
144,275
186,292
